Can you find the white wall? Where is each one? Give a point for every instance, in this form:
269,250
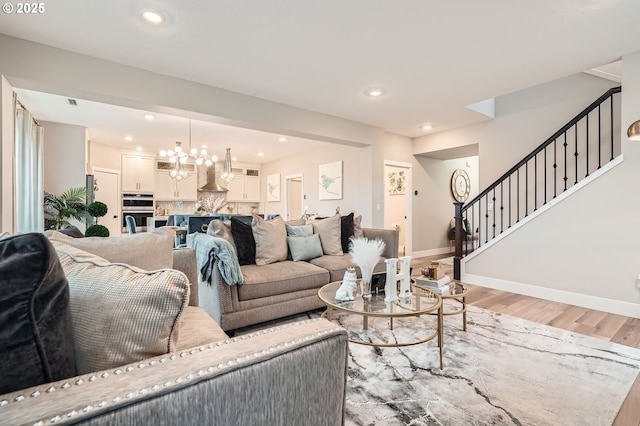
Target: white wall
433,206
64,156
356,178
584,250
523,121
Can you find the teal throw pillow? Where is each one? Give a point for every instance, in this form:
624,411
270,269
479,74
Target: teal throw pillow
305,248
299,230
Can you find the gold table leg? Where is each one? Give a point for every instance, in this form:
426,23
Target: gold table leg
440,343
464,313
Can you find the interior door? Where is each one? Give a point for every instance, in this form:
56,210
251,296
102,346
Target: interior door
397,205
294,197
106,184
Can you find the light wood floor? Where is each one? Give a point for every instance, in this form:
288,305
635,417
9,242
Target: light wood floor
602,325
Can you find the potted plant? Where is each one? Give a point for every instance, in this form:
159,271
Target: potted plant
71,204
97,209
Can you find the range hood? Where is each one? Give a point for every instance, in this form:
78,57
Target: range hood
211,184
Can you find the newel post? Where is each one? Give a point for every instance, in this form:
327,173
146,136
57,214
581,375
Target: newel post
458,240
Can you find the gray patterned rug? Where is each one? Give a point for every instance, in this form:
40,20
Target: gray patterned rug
502,371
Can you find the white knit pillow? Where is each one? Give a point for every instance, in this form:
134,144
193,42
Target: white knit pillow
120,314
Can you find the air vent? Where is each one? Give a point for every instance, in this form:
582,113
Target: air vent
72,102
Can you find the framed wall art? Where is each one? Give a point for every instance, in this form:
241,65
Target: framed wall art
330,181
273,187
397,183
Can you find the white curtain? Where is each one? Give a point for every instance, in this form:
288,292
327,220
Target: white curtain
29,182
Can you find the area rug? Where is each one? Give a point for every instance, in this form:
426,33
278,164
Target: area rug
502,371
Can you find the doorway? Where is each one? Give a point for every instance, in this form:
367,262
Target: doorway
293,197
398,202
106,184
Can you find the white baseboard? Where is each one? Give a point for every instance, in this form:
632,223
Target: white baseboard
431,252
562,296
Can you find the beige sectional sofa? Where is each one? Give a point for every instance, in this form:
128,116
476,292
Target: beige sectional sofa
282,288
206,379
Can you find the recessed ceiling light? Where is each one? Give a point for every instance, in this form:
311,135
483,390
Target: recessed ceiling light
149,117
261,154
234,158
426,127
152,17
128,138
375,92
282,139
138,148
203,146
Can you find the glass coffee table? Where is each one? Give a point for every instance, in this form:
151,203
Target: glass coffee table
422,302
457,293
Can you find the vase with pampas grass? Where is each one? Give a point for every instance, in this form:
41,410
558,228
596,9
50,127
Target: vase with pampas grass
366,253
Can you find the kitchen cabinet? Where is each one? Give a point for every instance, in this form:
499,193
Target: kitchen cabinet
138,173
244,189
169,189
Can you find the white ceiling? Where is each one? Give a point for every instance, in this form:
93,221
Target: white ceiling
432,57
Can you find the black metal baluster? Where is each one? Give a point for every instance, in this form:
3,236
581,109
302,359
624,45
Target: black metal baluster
575,154
555,168
535,183
502,206
518,196
599,137
493,206
611,130
486,218
526,189
509,201
565,161
545,176
586,144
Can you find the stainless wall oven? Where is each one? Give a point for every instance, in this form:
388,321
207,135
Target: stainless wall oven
140,206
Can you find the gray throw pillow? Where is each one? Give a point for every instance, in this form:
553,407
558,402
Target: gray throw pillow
299,230
271,240
305,248
329,230
220,229
357,229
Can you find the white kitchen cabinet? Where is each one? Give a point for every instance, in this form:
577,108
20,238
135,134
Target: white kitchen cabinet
138,173
169,189
244,189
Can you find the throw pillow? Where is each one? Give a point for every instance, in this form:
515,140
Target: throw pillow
145,250
467,226
296,222
299,230
357,229
245,244
329,232
305,248
35,319
220,229
346,231
271,240
72,231
121,314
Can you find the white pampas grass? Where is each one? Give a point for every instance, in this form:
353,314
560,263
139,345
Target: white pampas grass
366,254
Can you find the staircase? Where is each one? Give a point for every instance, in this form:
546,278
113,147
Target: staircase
582,146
